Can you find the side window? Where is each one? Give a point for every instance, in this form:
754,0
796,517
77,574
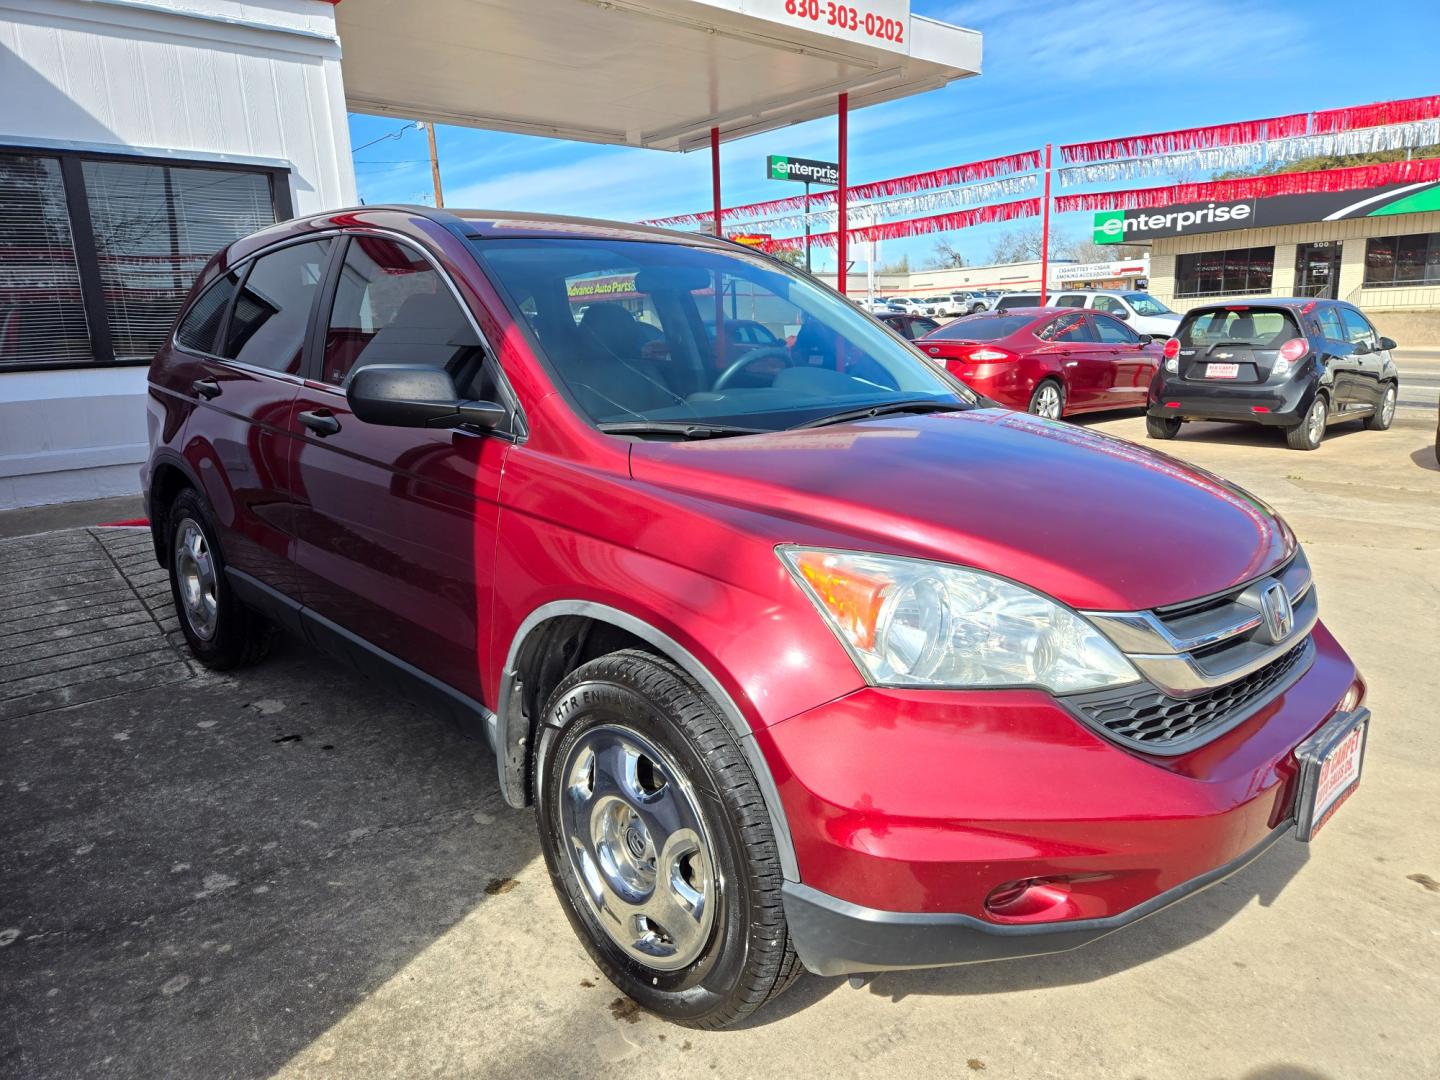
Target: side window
201,324
392,307
267,327
1356,326
1113,331
1066,329
1330,326
1109,304
1071,300
920,327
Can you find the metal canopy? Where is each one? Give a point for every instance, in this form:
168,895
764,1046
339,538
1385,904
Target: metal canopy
658,74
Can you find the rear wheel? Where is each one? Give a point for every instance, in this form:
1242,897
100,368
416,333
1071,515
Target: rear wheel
1308,434
1162,427
221,631
1383,416
1048,400
658,842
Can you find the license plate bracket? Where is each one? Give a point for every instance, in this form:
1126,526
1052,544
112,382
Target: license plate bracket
1222,371
1331,762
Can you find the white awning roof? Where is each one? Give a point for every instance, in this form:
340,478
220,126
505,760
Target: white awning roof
657,74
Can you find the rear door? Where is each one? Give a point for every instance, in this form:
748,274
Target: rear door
245,382
1131,365
1364,369
398,525
1084,366
1338,360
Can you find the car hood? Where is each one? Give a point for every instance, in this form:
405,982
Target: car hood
1091,520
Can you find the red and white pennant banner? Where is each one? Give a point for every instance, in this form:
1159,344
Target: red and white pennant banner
894,230
1255,187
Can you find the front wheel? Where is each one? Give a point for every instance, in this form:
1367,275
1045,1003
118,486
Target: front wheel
1383,416
658,843
1307,434
1162,427
1048,400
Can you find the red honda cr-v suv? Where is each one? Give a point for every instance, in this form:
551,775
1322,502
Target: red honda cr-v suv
803,656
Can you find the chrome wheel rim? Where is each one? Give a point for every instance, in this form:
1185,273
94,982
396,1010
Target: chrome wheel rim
1047,402
1315,425
195,572
638,846
1387,407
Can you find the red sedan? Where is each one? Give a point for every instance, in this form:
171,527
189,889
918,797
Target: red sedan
1053,362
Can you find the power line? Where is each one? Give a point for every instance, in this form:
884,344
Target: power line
392,135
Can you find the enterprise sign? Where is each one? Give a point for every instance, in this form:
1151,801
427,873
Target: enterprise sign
805,170
1123,226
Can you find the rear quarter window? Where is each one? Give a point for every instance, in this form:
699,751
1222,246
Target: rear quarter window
1262,328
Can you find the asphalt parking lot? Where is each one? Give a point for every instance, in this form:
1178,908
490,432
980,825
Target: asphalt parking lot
286,871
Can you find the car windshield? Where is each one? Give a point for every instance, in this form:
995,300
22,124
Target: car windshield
628,328
1145,304
983,327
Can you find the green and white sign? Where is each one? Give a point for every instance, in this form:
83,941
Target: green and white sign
1109,226
803,170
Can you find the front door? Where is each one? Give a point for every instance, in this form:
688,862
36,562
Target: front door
1084,364
398,525
1317,269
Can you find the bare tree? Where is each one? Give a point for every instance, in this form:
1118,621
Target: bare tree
946,256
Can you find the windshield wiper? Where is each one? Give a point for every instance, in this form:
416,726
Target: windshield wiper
923,405
683,429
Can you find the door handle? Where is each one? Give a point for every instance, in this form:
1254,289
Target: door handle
321,421
206,388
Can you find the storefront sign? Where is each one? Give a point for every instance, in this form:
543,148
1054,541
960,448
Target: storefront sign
881,24
1122,226
1101,271
807,170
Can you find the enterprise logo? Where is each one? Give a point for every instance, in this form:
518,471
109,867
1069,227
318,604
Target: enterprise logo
1112,225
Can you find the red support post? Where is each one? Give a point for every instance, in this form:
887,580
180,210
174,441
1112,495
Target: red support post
1045,234
842,219
715,174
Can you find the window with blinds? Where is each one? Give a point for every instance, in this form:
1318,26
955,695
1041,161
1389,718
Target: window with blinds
155,228
42,312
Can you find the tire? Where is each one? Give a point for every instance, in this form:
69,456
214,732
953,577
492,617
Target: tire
1162,427
1384,415
1310,432
685,797
1048,400
221,631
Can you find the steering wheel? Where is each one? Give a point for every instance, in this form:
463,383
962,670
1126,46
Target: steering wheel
760,352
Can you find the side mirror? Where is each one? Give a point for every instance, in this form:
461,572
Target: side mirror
1388,343
1121,314
1361,348
410,395
1146,339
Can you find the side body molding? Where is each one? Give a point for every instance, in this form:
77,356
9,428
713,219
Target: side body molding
510,732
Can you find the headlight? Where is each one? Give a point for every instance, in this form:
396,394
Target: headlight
908,622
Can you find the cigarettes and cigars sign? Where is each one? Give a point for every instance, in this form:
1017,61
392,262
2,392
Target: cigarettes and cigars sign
1122,226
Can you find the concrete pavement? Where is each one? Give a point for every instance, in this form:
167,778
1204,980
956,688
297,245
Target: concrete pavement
286,871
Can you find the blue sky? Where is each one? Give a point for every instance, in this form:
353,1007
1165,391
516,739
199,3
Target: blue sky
1058,72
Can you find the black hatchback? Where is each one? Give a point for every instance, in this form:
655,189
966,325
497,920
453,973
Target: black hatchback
1296,364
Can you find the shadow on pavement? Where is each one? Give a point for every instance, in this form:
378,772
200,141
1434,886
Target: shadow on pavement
1425,457
199,881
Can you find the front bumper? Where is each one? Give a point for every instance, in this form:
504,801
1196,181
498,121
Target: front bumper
911,811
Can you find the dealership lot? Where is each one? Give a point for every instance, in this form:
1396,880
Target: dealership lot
287,870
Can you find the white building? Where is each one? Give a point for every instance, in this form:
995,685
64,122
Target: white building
137,137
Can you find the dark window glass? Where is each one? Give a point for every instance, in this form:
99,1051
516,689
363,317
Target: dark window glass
201,325
1114,332
1356,326
1109,304
985,327
1070,300
1402,260
155,228
42,316
1067,329
920,327
1225,273
267,328
1329,320
1264,328
391,307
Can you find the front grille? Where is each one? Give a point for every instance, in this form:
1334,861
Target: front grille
1149,720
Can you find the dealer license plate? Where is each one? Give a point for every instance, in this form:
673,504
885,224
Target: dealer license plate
1222,371
1330,765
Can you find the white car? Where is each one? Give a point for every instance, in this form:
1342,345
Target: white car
879,305
1141,311
913,305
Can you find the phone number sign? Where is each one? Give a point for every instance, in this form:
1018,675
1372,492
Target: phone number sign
883,24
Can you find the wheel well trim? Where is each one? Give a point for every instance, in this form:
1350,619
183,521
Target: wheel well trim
506,737
162,459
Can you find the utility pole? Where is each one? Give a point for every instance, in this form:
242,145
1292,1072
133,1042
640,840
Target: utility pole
434,164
